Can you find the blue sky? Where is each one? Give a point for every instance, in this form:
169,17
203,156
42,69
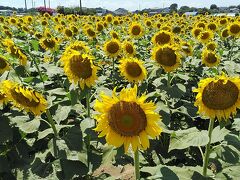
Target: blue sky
127,4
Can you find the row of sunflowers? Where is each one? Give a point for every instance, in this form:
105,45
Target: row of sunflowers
163,91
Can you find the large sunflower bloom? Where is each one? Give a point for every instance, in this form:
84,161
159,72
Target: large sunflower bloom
218,97
48,43
24,98
234,29
167,57
136,30
128,48
132,69
80,69
127,119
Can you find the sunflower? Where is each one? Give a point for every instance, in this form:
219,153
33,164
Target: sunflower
48,43
212,26
112,48
24,98
79,46
211,46
114,34
127,119
136,30
167,57
234,29
210,58
80,69
132,69
128,48
218,97
89,31
224,33
162,37
68,33
4,66
99,26
205,36
196,32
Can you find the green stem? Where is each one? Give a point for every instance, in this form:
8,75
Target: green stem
231,50
136,164
169,80
50,119
207,153
39,72
113,72
88,102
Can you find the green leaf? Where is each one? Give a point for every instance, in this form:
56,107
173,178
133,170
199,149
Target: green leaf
109,154
231,172
6,133
236,124
183,139
73,139
62,113
219,134
41,169
30,126
35,44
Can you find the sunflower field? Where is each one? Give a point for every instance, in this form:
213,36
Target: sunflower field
119,97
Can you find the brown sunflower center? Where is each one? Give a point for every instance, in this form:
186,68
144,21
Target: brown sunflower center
3,63
136,30
205,35
211,58
235,28
220,96
162,38
112,47
212,26
2,96
166,57
197,32
21,99
68,32
81,67
50,43
133,69
129,49
90,32
127,118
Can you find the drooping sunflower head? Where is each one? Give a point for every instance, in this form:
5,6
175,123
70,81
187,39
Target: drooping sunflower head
132,69
79,68
210,58
234,29
136,30
48,43
205,36
162,37
128,48
127,119
4,65
218,97
112,48
167,57
24,98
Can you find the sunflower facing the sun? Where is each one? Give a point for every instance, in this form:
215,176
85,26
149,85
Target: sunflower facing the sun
218,97
79,68
132,69
127,119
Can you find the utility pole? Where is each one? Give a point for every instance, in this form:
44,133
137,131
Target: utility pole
80,6
49,4
25,5
45,4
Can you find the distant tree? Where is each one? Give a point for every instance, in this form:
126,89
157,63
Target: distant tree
213,6
173,7
184,9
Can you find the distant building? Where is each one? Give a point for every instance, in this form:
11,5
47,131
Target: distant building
120,11
191,13
100,11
